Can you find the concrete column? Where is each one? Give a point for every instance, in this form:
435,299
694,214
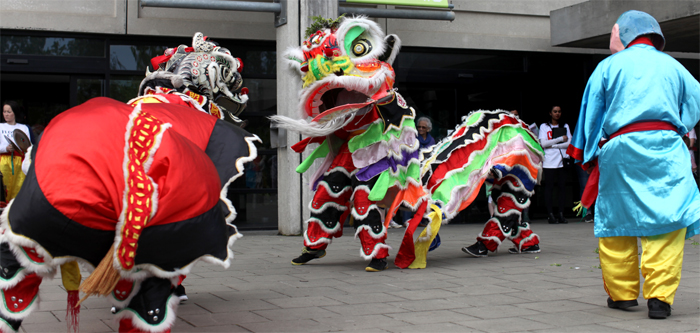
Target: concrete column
293,190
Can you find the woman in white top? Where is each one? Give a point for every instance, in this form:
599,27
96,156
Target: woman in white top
10,158
554,145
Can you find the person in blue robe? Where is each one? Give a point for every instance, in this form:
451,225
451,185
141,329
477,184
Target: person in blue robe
637,105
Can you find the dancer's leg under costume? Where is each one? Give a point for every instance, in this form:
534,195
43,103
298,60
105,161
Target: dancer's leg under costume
340,194
511,199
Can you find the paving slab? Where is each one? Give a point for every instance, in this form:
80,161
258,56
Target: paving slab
263,292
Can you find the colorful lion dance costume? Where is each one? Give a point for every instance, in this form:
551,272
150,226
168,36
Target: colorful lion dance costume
137,190
371,158
494,147
366,133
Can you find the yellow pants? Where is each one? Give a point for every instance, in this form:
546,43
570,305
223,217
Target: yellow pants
12,179
662,261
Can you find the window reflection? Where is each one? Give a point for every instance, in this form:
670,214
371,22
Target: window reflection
260,62
255,210
124,88
89,88
52,46
133,57
261,173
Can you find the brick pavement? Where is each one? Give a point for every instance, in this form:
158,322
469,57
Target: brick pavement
559,289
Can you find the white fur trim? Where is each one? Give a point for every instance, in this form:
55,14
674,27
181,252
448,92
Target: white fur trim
240,163
323,183
331,231
19,276
371,28
27,160
167,323
394,50
376,250
122,304
325,206
366,227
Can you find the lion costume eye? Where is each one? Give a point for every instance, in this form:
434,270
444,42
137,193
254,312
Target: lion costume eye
361,47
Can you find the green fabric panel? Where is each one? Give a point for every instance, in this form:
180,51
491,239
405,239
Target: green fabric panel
319,152
474,118
375,133
386,180
444,191
350,37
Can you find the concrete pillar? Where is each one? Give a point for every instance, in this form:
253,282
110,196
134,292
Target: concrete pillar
293,190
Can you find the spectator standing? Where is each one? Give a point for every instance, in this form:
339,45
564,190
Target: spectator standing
554,138
10,157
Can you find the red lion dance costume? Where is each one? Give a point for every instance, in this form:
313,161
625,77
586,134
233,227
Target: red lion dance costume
138,188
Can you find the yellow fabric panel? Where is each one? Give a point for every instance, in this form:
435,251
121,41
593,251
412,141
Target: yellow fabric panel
70,274
12,179
422,246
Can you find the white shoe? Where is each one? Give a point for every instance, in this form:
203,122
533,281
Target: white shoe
394,225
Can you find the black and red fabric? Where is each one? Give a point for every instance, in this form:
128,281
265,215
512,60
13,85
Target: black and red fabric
511,198
75,201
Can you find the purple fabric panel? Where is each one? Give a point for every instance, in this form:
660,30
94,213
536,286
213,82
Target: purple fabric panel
369,172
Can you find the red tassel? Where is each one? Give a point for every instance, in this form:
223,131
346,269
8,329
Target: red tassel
73,311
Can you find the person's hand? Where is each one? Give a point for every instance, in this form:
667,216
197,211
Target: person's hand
566,138
10,148
589,170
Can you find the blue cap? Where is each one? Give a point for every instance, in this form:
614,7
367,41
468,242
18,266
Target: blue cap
634,23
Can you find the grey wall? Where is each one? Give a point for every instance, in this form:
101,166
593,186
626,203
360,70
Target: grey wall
521,25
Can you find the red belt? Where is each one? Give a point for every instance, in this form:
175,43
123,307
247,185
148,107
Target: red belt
590,193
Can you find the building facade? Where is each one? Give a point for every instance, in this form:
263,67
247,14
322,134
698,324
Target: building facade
56,54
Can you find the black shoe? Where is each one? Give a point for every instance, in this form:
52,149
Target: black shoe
308,255
658,309
478,250
551,219
180,293
530,249
377,265
588,218
621,304
561,219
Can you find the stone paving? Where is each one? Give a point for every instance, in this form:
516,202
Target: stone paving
559,289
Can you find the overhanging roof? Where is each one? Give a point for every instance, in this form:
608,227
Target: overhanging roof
588,24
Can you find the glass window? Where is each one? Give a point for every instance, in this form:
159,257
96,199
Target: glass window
52,46
456,61
259,62
89,88
255,210
259,174
133,57
262,94
124,88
